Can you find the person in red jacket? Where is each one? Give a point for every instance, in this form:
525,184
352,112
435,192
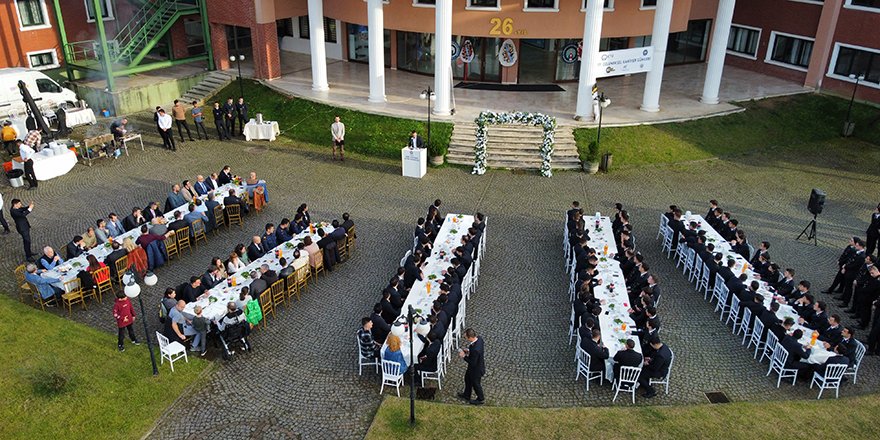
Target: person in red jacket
124,314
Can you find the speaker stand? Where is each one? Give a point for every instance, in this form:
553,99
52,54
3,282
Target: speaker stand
811,235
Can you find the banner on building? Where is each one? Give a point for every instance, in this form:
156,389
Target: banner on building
625,61
507,55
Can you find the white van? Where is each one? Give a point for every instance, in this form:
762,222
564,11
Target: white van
47,94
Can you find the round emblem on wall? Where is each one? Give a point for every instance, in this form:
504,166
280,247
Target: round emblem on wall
456,50
507,55
569,53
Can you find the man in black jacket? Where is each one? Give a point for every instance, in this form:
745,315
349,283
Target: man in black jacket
75,247
873,232
597,351
848,251
797,353
850,270
380,327
134,220
428,356
627,357
474,356
331,250
656,366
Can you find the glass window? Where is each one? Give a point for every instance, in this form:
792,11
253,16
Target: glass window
484,65
415,52
608,4
46,85
106,9
688,46
483,3
424,2
649,3
31,12
541,4
329,29
852,61
743,40
238,39
791,50
359,44
873,4
42,59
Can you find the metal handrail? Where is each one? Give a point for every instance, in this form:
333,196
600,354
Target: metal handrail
131,38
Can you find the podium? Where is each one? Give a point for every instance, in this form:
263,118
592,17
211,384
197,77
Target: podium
414,162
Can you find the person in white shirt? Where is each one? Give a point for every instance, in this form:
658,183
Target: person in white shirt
27,158
337,129
2,218
164,121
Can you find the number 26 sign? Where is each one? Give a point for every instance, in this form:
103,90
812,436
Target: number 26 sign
504,26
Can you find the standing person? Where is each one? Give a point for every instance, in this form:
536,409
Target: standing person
873,232
201,325
2,218
474,356
117,129
34,138
27,157
124,314
229,116
219,122
199,120
241,112
19,216
337,129
9,136
179,114
164,122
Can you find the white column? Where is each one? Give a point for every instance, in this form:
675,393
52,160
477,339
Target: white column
718,51
316,45
659,38
589,54
442,56
376,28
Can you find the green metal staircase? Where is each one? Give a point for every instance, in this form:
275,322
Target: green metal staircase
147,26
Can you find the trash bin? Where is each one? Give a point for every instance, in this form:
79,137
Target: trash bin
15,178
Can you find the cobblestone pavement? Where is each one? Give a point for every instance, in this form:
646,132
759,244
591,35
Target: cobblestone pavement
301,379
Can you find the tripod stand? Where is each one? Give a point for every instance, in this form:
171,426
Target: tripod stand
812,234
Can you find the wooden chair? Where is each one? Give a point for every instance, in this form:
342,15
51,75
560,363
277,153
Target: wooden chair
183,241
24,288
350,240
103,283
319,265
267,305
303,275
198,228
291,284
278,293
341,245
38,299
219,219
233,215
121,268
171,250
73,296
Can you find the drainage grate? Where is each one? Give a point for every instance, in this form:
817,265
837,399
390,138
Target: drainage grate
717,397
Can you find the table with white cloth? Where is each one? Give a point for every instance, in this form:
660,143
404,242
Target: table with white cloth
215,300
423,293
614,322
265,130
48,164
818,354
68,270
77,116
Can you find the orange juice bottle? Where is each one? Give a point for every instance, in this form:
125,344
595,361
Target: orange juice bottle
813,338
233,282
605,250
428,287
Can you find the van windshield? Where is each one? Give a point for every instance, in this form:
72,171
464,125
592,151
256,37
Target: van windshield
46,85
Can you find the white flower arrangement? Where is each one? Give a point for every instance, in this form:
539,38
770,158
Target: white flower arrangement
548,123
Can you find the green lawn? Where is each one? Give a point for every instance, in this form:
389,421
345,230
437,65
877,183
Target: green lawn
109,395
788,123
844,418
309,122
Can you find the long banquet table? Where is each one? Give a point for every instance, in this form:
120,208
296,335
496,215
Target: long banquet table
448,238
215,301
68,271
614,322
818,354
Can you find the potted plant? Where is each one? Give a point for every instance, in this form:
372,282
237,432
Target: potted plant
436,153
589,156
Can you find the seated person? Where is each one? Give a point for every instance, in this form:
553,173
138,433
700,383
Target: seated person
50,260
179,222
256,249
392,352
253,184
269,238
656,366
192,217
193,291
313,251
627,357
111,259
797,353
46,286
233,199
369,347
90,239
428,356
597,351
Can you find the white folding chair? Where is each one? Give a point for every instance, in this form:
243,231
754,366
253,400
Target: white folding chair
733,313
757,332
860,354
435,375
475,268
689,255
447,344
831,380
696,267
170,350
777,364
664,225
566,246
770,344
665,381
572,331
467,284
680,254
583,368
716,290
703,284
722,307
667,242
627,382
391,376
744,327
365,360
405,256
484,240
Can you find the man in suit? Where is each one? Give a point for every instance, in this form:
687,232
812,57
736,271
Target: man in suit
847,339
76,247
597,351
475,357
780,330
187,192
212,182
415,141
175,199
434,211
241,113
380,328
225,176
268,275
389,312
210,205
393,294
428,355
229,116
347,223
412,272
134,220
873,232
818,320
178,223
628,357
656,366
211,277
834,333
841,357
850,270
785,286
762,250
269,239
258,285
677,227
194,215
726,271
256,249
331,250
117,253
201,186
438,328
797,353
152,211
866,292
233,199
848,251
114,225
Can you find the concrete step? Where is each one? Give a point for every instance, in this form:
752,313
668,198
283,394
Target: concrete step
518,165
526,148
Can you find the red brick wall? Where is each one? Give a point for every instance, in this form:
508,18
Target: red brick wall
857,28
218,44
267,60
178,40
17,43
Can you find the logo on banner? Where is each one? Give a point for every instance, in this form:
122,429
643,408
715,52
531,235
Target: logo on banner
467,52
456,50
624,61
507,55
569,54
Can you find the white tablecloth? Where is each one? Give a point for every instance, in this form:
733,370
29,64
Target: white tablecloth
615,310
214,309
819,354
79,116
448,238
49,167
266,130
70,268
